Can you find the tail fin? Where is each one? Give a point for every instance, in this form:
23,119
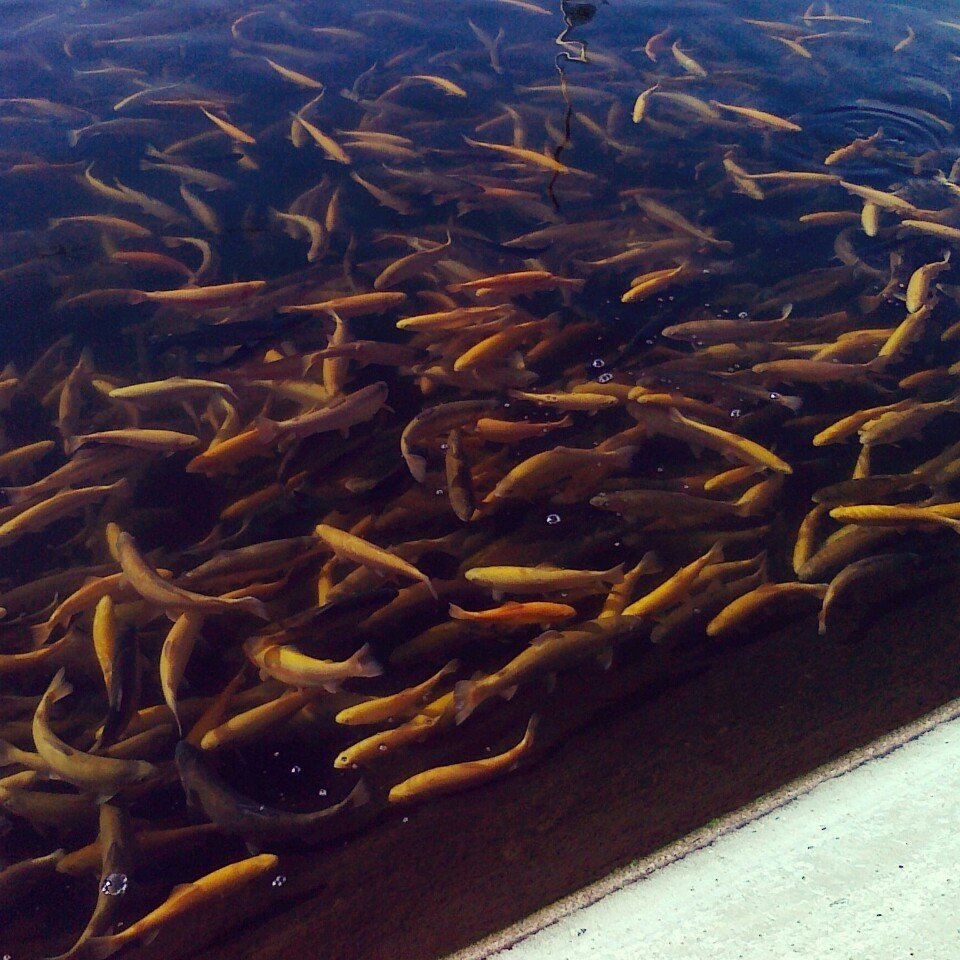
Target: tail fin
359,795
60,688
465,699
73,137
255,606
40,634
623,456
15,495
365,664
99,948
267,430
793,404
614,574
458,613
9,754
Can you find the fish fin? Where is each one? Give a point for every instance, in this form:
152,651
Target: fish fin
8,754
71,445
605,658
256,606
432,589
99,948
14,495
366,665
508,693
253,848
465,699
456,613
136,296
40,634
793,404
359,795
267,430
614,574
59,687
544,637
452,667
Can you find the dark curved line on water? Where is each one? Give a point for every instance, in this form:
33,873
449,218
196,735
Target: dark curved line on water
580,47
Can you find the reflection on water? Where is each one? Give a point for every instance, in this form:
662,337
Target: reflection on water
364,366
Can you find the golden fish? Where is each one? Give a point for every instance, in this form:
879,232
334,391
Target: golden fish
541,579
461,776
170,598
286,663
405,703
513,613
101,776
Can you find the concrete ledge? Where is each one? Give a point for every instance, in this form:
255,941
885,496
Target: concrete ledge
855,859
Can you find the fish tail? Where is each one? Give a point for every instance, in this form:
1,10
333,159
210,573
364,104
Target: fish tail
359,795
532,724
256,606
39,634
98,948
73,137
8,754
71,445
458,613
59,687
624,456
614,574
465,699
793,404
267,430
136,296
432,589
365,664
452,667
14,495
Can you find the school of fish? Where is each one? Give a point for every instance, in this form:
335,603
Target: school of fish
352,387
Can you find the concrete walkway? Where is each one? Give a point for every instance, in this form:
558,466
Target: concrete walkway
859,860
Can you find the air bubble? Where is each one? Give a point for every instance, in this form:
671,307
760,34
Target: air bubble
405,820
743,315
736,412
439,492
322,792
605,378
774,396
382,748
278,881
553,518
598,363
114,885
295,768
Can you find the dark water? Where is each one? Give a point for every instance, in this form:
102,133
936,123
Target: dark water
307,148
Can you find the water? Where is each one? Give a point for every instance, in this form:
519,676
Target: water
658,180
